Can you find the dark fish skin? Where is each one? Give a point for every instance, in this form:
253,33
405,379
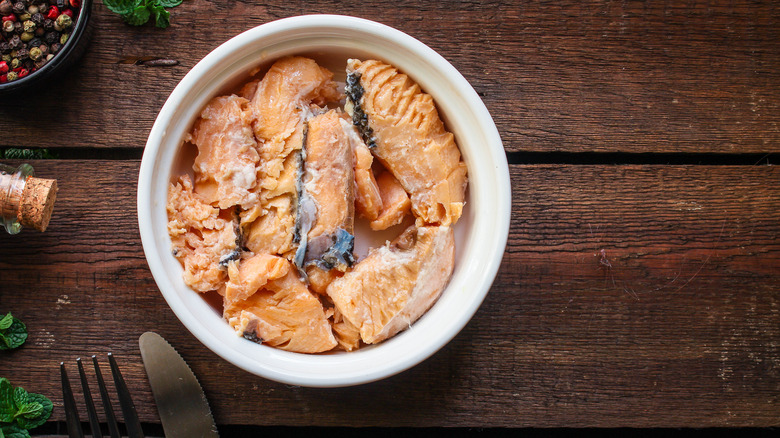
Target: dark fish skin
326,196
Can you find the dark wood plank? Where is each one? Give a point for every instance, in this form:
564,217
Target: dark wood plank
676,323
627,76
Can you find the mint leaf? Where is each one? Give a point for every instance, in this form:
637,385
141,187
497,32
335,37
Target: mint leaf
161,16
13,431
26,154
7,406
30,410
21,398
6,321
121,7
42,414
138,16
169,3
14,335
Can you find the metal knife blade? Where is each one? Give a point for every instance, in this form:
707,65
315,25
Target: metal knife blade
182,405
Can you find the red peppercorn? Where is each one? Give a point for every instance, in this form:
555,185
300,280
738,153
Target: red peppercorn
11,17
3,67
53,13
17,69
68,12
3,79
23,72
75,3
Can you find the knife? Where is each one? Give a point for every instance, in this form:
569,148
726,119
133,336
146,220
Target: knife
182,405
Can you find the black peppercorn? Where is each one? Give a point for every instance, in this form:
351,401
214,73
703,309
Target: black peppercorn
22,53
5,47
43,8
39,32
35,42
6,7
15,42
44,49
37,18
48,24
17,27
51,37
55,47
62,4
19,8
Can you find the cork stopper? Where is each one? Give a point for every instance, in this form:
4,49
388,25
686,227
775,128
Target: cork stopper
37,203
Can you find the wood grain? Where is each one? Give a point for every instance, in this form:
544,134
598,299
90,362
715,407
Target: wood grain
676,323
574,76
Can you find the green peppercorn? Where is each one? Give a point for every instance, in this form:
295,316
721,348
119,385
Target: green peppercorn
6,57
27,36
8,26
24,17
12,76
35,53
29,26
32,9
64,38
63,22
15,63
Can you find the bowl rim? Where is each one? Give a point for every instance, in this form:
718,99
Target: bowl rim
61,60
402,357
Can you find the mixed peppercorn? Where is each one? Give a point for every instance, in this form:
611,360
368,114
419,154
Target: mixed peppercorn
32,33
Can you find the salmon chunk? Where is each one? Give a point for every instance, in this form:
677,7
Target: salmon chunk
395,203
202,238
282,313
368,200
401,126
395,284
288,95
326,213
226,165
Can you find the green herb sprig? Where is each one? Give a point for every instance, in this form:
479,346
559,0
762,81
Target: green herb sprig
26,154
21,411
138,12
13,333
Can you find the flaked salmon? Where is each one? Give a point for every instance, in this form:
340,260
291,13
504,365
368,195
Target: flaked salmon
368,200
402,127
203,238
395,202
226,165
281,312
326,212
292,90
395,284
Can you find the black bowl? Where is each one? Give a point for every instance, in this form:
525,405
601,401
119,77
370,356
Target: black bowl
70,52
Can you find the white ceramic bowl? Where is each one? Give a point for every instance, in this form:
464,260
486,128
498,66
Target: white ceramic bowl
481,232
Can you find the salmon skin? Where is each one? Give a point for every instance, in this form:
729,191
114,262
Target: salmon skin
292,91
401,126
326,193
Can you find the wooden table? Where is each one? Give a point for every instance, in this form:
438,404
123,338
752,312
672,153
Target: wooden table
641,282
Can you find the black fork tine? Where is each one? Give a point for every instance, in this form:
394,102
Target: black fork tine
94,423
125,401
113,428
71,414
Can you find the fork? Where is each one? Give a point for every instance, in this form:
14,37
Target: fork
125,402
